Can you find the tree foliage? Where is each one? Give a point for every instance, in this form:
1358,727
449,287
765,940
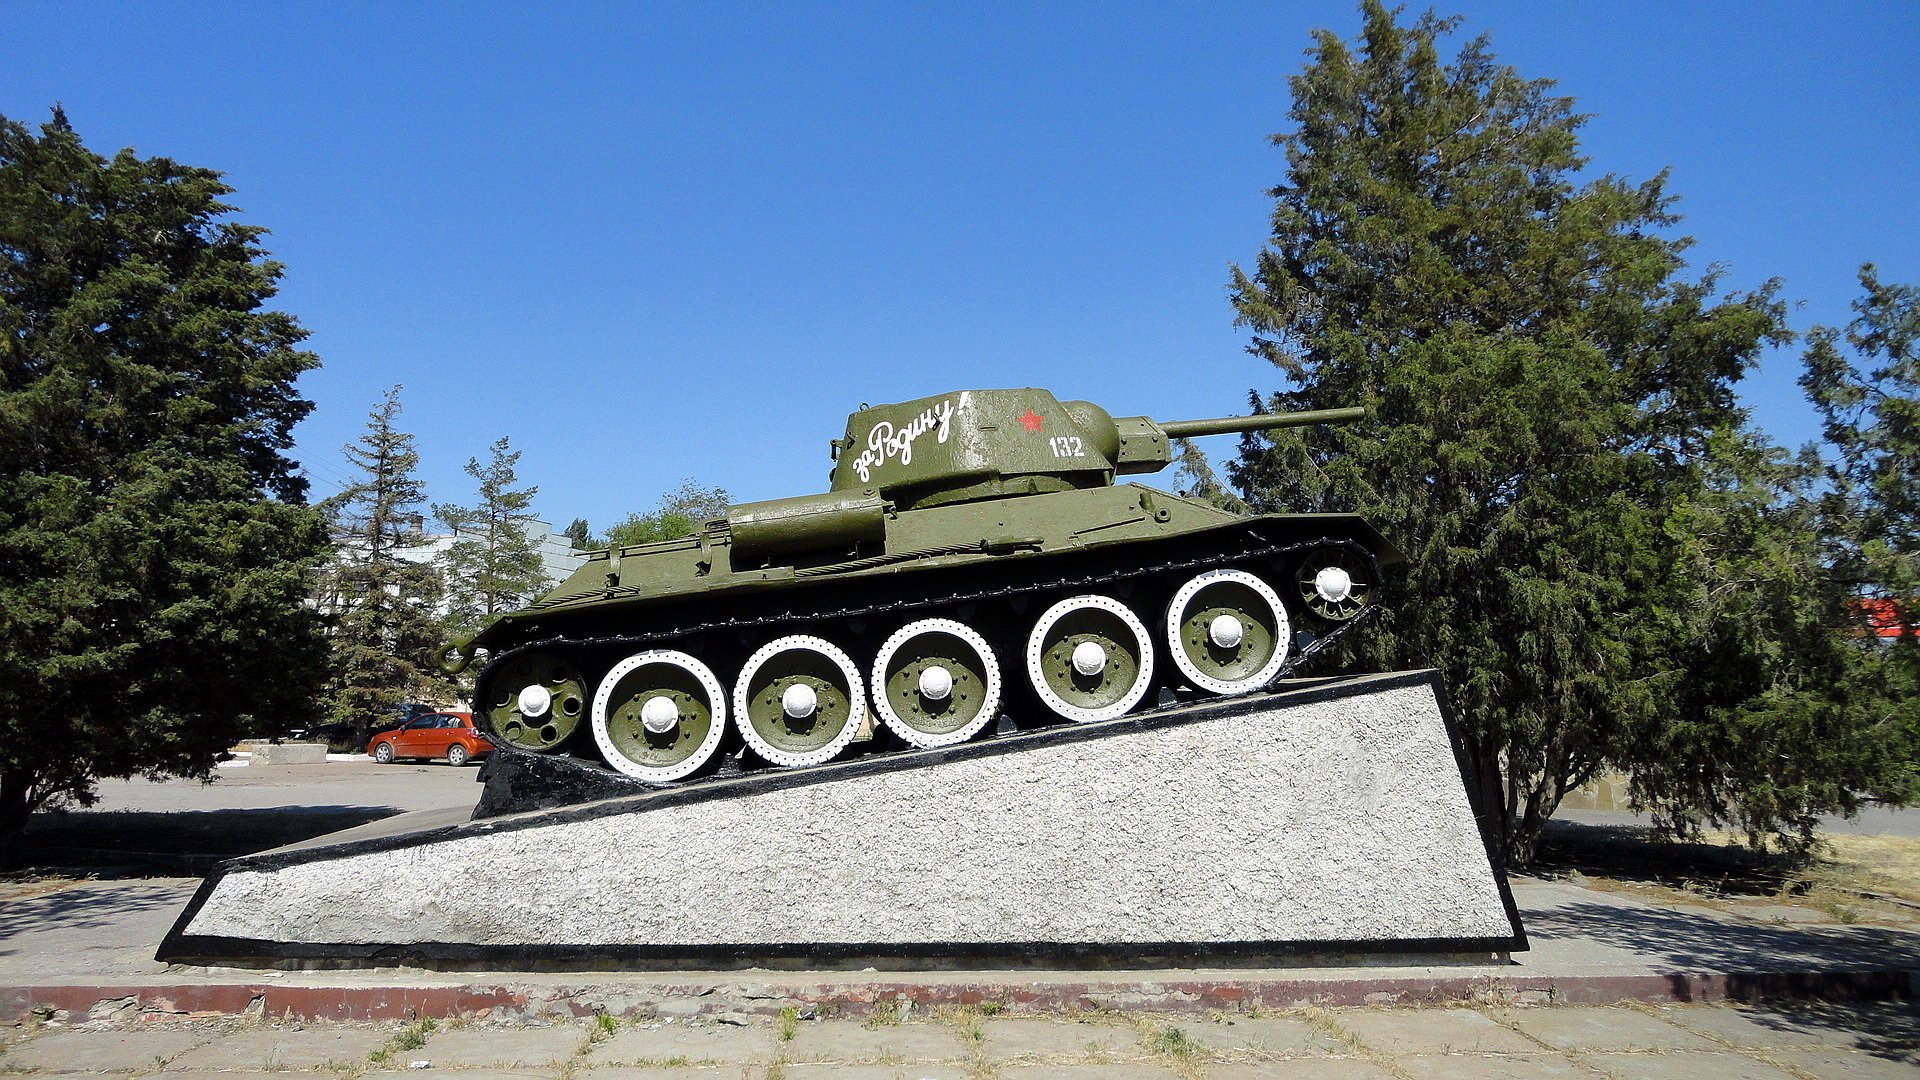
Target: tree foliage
384,603
1553,436
155,552
1865,382
580,535
493,563
682,512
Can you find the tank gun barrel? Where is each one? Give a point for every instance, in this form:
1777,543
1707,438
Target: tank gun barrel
1187,429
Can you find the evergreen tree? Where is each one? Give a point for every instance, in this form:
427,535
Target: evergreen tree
384,603
1871,511
1551,406
493,564
155,552
580,535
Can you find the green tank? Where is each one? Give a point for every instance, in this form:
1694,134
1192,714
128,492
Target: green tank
974,568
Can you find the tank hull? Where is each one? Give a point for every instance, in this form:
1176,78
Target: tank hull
989,568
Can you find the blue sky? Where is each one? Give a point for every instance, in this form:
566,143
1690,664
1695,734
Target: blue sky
656,241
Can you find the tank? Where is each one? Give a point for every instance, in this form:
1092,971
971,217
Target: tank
975,567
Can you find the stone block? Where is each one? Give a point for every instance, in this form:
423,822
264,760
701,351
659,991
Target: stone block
1431,1031
695,1044
274,1048
1324,819
141,1050
1687,1065
847,1040
501,1047
1582,1027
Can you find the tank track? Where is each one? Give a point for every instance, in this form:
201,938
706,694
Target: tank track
806,613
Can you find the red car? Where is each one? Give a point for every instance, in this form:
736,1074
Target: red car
450,735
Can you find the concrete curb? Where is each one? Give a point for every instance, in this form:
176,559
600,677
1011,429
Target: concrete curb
633,998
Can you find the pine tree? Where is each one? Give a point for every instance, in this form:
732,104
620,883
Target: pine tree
1550,400
1870,402
580,535
384,602
155,549
493,564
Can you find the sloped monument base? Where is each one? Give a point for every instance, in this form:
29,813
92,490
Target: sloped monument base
1327,818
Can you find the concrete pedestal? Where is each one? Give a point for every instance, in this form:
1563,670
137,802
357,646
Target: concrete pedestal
1324,819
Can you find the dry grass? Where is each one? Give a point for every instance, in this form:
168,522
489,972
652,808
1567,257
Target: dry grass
1887,866
1846,878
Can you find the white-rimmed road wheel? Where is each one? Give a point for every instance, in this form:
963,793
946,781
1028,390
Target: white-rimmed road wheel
1228,632
800,700
659,715
1089,658
936,683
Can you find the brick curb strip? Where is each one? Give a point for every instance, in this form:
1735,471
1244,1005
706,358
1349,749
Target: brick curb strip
732,998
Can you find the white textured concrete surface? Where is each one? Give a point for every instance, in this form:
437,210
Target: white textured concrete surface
1341,820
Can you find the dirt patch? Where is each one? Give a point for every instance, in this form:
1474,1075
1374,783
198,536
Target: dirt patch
1847,879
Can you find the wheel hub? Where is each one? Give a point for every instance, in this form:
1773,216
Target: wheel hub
799,701
1089,658
1226,632
1333,584
936,683
659,714
535,700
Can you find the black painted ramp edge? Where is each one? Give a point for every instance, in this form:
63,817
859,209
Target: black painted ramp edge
179,946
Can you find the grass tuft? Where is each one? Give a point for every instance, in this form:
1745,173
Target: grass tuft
789,1023
412,1037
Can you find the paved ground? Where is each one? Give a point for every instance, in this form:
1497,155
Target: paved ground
1622,1043
347,784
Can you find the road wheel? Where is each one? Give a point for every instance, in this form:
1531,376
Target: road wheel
659,715
383,753
456,755
936,683
1089,658
1227,631
533,701
800,701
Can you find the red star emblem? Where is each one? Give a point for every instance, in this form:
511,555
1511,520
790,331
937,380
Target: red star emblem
1032,420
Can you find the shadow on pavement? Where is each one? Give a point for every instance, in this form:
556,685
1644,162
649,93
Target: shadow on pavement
1630,852
1687,942
1888,1030
136,842
81,909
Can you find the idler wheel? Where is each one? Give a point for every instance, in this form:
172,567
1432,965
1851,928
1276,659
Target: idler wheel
659,715
800,700
533,701
1090,658
936,683
1227,631
1334,584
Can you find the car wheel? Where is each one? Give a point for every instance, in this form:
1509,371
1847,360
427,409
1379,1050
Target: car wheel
383,753
456,755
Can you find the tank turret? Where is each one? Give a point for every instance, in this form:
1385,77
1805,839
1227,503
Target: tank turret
975,559
981,444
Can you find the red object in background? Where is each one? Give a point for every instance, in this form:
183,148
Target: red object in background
450,735
1883,617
